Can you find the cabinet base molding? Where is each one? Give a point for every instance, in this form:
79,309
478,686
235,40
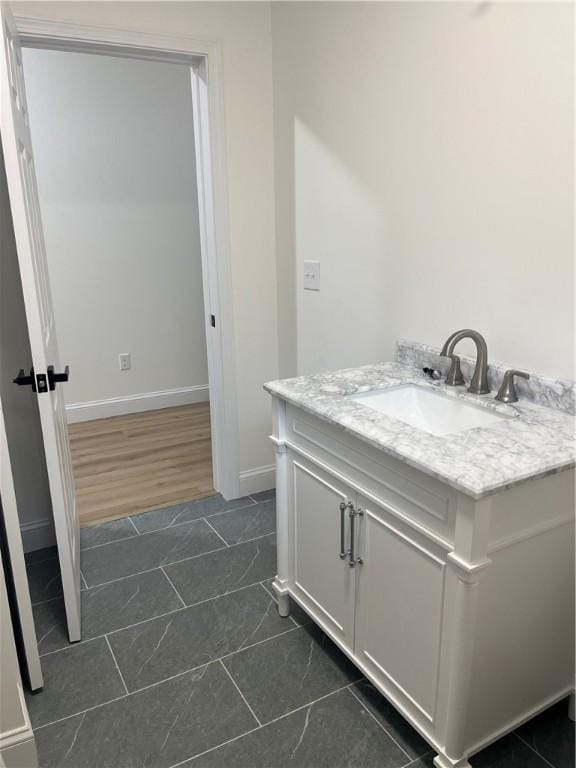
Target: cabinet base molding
441,761
283,595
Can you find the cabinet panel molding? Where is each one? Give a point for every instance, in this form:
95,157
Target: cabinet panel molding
321,576
399,609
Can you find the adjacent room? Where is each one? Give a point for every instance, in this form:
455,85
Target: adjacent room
287,384
113,142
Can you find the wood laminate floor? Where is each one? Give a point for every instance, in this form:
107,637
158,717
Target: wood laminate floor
129,464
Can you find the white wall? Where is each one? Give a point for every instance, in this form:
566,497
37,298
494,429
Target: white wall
114,151
245,34
424,153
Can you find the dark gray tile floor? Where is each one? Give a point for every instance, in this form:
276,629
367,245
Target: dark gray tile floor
185,661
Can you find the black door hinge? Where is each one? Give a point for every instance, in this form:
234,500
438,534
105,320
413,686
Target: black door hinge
213,321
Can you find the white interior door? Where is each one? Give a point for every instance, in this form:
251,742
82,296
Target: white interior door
17,146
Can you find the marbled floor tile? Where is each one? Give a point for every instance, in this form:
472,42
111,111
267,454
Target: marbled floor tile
264,495
75,679
44,580
158,649
399,728
50,625
551,734
130,556
107,608
220,572
427,761
245,524
104,533
290,671
154,728
186,512
335,732
508,752
37,555
298,614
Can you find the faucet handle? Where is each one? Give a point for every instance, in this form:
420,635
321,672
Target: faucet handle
507,391
432,373
454,376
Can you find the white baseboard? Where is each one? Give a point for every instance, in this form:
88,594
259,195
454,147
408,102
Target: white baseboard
20,754
257,479
37,535
148,401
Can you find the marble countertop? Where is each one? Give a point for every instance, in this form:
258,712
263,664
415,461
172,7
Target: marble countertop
537,441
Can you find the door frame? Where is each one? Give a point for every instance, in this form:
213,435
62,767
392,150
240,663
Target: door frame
204,57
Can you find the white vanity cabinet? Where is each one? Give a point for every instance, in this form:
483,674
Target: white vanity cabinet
324,581
398,624
460,611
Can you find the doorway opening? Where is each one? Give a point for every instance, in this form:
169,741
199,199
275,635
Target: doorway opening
113,141
46,379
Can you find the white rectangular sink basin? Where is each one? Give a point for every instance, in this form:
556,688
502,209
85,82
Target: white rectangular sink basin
423,408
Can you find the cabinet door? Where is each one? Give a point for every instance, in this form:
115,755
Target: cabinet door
399,608
323,581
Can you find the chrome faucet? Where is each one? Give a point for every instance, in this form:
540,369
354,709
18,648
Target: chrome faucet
479,380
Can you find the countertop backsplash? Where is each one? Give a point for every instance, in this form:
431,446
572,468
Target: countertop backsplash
551,393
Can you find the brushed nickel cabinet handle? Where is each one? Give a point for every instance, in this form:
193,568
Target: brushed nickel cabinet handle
343,507
354,513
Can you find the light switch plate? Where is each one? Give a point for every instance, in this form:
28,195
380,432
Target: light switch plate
311,275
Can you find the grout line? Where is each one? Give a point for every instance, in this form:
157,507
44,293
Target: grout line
414,761
235,509
265,725
81,712
153,618
373,716
48,600
200,666
164,527
37,562
530,747
114,541
138,534
116,665
178,595
176,562
262,536
167,679
268,591
215,531
134,526
262,501
273,596
185,672
83,580
224,744
156,567
235,684
260,642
